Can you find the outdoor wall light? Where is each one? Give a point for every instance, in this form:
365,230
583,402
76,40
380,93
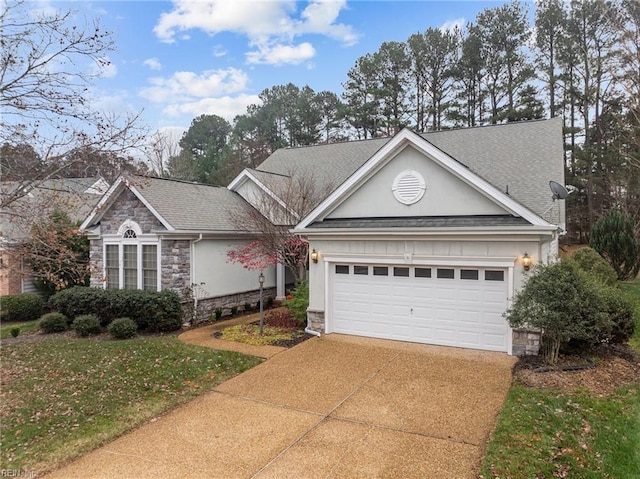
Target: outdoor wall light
526,261
314,256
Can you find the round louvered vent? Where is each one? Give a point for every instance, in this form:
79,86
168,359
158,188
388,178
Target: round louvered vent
408,187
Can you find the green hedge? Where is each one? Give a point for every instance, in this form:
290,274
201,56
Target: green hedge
21,307
152,311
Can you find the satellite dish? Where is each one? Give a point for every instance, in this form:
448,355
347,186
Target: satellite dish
558,190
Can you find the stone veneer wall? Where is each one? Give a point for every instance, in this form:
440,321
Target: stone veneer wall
525,342
96,261
175,265
129,207
207,306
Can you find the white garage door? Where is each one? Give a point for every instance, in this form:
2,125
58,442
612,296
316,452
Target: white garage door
450,306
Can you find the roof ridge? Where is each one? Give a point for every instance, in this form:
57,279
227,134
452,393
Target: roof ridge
177,180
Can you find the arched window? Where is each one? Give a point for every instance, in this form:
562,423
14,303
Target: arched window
131,261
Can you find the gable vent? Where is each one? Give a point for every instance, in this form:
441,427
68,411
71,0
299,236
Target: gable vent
408,187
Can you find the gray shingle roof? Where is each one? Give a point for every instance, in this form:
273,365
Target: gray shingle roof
192,206
69,194
521,157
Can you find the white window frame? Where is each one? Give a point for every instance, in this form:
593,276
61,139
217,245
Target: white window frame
139,241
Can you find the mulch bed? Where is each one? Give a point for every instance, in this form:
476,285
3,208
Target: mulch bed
616,365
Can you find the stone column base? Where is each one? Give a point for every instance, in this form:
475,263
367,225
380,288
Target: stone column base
315,320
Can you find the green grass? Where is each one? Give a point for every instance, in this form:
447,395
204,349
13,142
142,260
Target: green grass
543,433
62,397
26,327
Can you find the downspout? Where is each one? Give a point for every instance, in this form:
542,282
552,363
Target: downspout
312,331
193,282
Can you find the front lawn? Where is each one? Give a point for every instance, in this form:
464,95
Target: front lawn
547,433
61,397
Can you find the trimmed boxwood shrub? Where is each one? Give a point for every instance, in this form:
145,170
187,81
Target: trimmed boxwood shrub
123,328
21,307
54,323
86,324
80,300
152,311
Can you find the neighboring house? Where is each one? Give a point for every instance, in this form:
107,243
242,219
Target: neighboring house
419,237
76,196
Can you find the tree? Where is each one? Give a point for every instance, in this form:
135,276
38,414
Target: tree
363,110
270,223
44,87
57,254
503,31
433,55
467,108
162,146
550,21
616,238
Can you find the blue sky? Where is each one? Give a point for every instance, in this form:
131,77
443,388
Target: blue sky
179,59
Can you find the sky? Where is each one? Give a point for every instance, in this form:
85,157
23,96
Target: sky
176,60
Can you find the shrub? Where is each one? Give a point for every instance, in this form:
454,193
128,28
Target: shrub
234,310
299,301
621,315
15,331
86,324
281,319
123,328
590,261
80,300
21,307
152,311
54,323
562,302
247,306
613,236
218,313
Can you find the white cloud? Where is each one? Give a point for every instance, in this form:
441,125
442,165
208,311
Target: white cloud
153,63
281,54
189,85
227,107
451,25
272,23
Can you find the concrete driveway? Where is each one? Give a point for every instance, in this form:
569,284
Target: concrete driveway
332,407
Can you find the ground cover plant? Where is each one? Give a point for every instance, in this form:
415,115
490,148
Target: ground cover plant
63,396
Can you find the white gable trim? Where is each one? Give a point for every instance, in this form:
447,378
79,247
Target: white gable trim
110,196
408,137
247,175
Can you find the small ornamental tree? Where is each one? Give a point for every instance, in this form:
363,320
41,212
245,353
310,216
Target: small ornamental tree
257,255
562,302
615,238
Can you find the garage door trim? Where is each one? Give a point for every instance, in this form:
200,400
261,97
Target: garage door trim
330,260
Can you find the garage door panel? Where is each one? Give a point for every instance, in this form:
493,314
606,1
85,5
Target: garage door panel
436,310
